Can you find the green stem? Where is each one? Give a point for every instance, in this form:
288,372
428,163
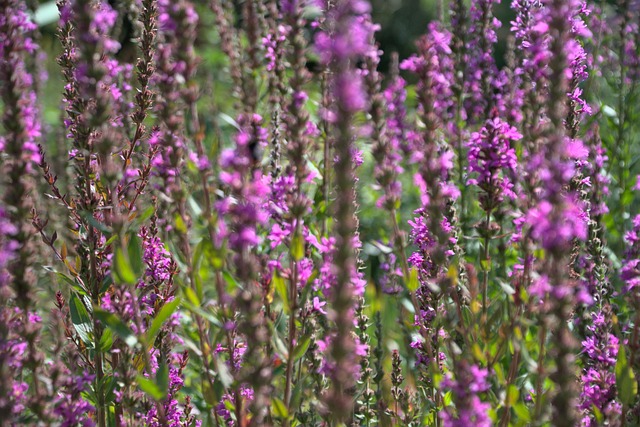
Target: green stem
540,379
486,267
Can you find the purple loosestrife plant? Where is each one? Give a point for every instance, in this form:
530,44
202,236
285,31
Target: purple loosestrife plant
492,167
435,160
630,275
89,107
344,40
21,123
102,208
12,345
598,396
556,220
176,23
432,231
492,162
244,209
470,382
20,330
483,81
298,131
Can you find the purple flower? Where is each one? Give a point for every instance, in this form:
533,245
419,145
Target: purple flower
492,159
70,405
434,64
20,104
396,127
349,40
317,305
598,378
244,208
555,228
156,257
483,82
174,412
470,410
630,271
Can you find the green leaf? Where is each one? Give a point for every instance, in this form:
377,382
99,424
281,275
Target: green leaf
142,217
106,284
149,387
106,340
230,406
116,324
413,283
279,408
107,387
162,377
297,246
232,284
625,379
514,394
446,401
88,216
597,413
522,412
122,270
165,313
214,256
180,225
81,320
208,393
224,375
281,289
198,252
72,283
191,296
301,347
134,250
210,317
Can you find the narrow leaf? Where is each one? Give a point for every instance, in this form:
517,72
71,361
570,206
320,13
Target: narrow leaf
150,387
625,379
281,289
122,269
412,282
165,313
301,347
116,324
297,246
81,320
279,408
134,250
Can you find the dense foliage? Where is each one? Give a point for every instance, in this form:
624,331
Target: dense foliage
232,213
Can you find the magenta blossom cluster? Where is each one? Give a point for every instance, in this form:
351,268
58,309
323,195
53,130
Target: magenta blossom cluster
493,162
470,382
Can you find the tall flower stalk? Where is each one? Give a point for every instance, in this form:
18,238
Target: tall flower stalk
344,42
555,221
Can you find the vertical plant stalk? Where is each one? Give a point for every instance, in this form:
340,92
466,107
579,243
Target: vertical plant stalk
20,121
144,98
458,48
87,111
564,400
342,24
622,152
296,120
276,39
